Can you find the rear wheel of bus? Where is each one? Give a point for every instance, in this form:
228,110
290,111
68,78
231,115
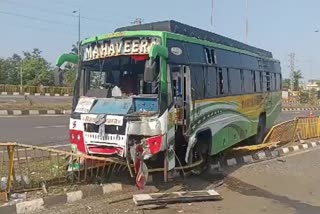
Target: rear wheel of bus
261,130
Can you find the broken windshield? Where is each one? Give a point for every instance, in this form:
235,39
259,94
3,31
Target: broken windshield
122,75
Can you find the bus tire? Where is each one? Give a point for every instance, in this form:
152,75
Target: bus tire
201,151
261,130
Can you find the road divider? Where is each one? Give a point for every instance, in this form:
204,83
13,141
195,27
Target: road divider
33,112
300,108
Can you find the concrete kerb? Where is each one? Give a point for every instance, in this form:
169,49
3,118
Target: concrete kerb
300,108
3,93
28,207
260,156
33,112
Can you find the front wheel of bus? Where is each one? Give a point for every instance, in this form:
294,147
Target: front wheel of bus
199,157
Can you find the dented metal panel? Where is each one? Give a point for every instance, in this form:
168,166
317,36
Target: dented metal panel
144,127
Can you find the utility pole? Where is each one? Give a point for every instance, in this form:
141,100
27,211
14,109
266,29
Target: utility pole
21,82
292,68
247,21
137,21
211,18
79,31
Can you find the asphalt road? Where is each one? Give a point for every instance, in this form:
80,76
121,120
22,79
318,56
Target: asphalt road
289,115
35,130
53,130
288,185
38,99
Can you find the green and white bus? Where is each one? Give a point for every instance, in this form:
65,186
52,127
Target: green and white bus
157,93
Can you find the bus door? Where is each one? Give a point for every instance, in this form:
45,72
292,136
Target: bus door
182,93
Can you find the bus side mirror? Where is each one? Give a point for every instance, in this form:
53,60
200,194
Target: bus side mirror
149,74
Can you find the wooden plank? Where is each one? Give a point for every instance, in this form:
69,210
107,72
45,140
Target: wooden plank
176,197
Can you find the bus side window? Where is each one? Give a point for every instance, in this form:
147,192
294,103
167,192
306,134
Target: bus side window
208,56
242,81
229,81
220,83
253,79
225,77
258,81
268,79
275,81
213,57
262,82
211,82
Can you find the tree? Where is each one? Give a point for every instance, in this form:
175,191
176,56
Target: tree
286,83
36,70
70,75
297,76
313,96
14,69
304,97
4,70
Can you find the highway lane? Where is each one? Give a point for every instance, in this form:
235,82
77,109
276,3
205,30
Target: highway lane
53,130
35,130
289,115
38,99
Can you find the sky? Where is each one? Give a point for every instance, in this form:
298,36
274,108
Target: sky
280,26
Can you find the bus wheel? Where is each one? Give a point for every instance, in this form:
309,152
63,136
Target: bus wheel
261,130
198,153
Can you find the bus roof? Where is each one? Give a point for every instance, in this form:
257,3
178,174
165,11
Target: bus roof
183,29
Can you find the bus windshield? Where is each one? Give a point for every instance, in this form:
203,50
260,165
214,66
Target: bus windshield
121,73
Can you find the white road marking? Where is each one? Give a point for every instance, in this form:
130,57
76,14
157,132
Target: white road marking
49,127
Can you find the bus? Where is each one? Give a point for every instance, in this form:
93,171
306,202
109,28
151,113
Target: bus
166,94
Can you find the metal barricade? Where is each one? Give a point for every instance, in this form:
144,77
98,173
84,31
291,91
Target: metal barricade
282,132
26,167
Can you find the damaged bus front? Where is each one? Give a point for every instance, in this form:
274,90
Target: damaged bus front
120,99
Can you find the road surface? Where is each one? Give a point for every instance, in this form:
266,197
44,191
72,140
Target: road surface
35,130
287,185
37,99
289,115
53,130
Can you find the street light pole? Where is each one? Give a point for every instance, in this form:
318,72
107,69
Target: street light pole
247,21
21,83
79,32
79,20
79,55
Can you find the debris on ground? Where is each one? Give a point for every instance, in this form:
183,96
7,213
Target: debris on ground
152,206
176,197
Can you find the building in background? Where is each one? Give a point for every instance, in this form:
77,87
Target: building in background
313,84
